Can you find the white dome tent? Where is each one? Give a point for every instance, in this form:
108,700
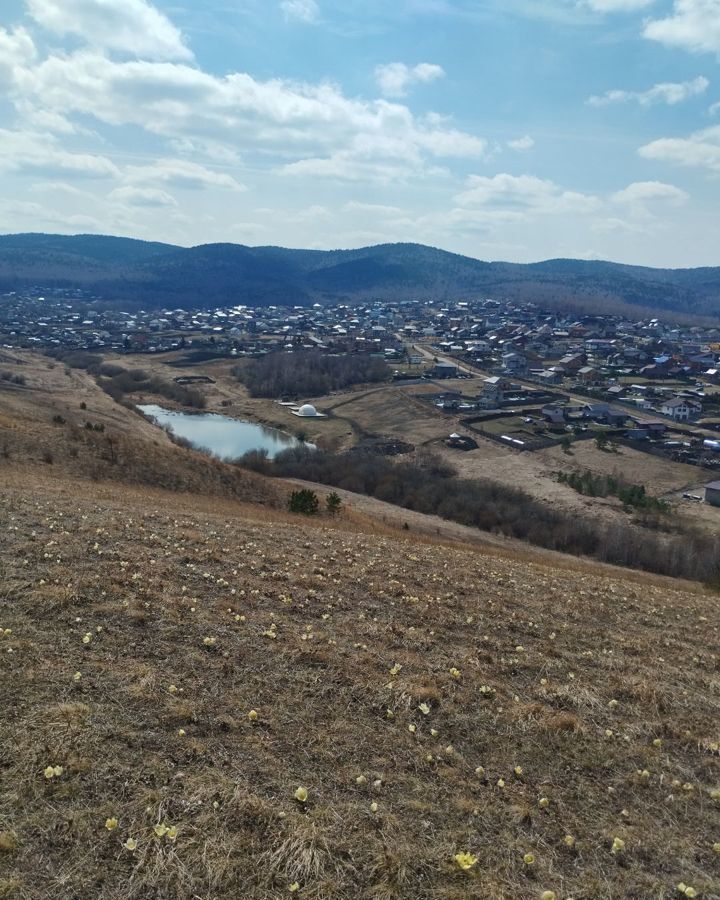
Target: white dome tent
307,411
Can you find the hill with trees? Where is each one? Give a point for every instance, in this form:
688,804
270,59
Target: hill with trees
138,274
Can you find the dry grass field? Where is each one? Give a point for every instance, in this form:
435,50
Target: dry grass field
204,697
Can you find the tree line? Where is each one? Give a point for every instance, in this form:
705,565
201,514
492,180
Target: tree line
429,485
308,373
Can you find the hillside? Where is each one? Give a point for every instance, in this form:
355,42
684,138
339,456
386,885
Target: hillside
136,273
177,664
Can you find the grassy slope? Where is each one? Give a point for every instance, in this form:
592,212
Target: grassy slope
541,652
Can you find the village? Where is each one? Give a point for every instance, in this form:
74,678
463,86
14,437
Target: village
500,371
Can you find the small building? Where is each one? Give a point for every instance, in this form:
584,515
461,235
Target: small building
712,493
461,442
445,369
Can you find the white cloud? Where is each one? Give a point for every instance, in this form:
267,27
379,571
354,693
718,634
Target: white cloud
181,173
641,192
521,144
17,52
131,26
608,6
394,79
714,109
669,92
133,196
301,10
316,126
375,209
524,194
694,25
699,150
39,153
13,210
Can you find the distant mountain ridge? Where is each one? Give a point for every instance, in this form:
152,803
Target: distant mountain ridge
132,273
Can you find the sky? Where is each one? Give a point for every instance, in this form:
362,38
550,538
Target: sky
513,130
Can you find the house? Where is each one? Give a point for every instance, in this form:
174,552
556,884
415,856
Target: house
712,493
680,409
514,363
587,374
548,376
445,369
495,388
554,414
572,363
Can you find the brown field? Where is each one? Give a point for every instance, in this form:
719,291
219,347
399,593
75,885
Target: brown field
177,664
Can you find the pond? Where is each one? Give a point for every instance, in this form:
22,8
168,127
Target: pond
219,435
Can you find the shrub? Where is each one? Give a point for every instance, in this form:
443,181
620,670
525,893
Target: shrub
333,503
304,501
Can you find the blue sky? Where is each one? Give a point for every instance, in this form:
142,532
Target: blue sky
503,129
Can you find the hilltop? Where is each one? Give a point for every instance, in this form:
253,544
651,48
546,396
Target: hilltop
143,274
181,655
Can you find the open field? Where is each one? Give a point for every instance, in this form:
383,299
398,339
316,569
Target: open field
144,628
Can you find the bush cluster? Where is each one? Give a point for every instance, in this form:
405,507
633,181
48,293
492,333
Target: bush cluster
632,496
13,379
117,381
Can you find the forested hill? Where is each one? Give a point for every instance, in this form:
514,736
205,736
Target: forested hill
145,274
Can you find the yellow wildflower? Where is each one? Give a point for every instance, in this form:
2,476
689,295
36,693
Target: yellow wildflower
111,824
618,845
252,715
301,795
455,672
465,860
529,859
130,844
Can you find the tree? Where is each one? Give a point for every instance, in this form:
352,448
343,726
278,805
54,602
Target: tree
333,503
601,442
304,501
566,444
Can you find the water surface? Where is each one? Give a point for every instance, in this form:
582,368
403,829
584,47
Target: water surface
219,435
